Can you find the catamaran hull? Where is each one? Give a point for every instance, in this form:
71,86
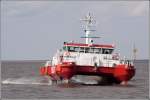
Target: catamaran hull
118,74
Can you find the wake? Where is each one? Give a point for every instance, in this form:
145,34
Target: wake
28,81
85,80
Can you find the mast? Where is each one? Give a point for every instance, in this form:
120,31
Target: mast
134,52
88,29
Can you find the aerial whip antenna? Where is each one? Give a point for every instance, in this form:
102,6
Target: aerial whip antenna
134,52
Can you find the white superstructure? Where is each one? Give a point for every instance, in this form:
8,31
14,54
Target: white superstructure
89,54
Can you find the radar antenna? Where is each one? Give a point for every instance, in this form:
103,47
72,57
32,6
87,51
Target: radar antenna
88,30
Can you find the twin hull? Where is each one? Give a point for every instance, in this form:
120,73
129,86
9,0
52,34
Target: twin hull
66,70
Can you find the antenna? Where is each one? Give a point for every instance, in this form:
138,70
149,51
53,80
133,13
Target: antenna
134,52
88,30
88,19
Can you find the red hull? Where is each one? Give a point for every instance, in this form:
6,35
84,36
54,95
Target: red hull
120,73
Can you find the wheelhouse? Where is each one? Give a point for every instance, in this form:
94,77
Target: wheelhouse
85,48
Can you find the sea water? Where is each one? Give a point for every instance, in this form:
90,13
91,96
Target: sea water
21,80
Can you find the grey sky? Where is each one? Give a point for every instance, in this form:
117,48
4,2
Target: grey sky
36,29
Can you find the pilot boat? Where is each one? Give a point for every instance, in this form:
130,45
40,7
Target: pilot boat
89,59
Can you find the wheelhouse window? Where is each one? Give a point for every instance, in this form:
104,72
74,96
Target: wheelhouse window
65,48
81,49
97,50
76,49
107,51
71,49
91,50
88,50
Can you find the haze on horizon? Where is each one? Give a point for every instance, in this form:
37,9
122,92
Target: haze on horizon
34,30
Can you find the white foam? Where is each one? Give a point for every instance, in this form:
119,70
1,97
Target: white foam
28,80
85,80
47,80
